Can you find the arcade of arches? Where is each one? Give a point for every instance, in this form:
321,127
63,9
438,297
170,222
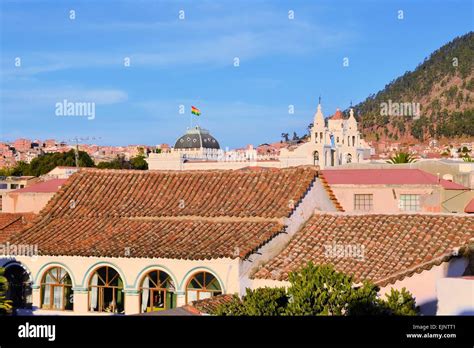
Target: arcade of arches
105,290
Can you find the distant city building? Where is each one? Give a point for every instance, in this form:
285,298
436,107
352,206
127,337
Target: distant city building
330,145
22,144
50,143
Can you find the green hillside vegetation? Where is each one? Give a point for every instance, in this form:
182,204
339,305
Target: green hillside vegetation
443,85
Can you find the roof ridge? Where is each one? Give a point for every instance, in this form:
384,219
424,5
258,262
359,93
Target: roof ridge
424,213
330,192
392,278
182,172
225,218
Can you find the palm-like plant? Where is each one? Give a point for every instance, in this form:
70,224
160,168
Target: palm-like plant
5,305
401,157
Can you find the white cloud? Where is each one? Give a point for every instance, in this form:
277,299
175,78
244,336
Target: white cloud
211,41
48,96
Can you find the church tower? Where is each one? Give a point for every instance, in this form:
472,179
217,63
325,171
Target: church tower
351,121
319,126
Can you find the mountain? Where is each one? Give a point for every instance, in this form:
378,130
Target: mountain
443,85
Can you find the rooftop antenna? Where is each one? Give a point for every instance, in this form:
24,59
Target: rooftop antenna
319,102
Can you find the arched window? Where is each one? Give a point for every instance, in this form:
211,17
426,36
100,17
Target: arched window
315,158
157,292
202,285
348,158
106,291
19,290
56,290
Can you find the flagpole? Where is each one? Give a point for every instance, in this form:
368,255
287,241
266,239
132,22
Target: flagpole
191,121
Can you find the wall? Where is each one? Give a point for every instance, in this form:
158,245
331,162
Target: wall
168,162
316,199
384,200
455,200
25,202
423,285
131,270
455,296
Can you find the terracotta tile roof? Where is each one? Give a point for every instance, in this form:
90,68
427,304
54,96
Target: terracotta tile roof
180,215
338,115
126,237
128,193
208,305
387,177
11,223
395,246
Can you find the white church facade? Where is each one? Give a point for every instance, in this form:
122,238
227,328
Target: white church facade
331,144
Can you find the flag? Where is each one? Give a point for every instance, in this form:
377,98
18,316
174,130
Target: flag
195,111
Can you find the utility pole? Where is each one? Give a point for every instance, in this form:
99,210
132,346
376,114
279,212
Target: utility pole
76,140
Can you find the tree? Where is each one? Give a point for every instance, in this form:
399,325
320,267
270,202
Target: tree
117,163
21,168
401,157
5,305
259,302
47,162
320,290
139,162
5,171
120,162
400,303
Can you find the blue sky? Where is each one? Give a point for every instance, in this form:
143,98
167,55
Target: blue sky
188,62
